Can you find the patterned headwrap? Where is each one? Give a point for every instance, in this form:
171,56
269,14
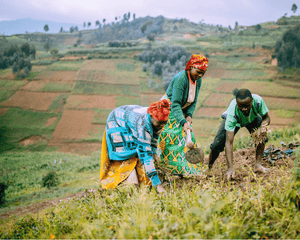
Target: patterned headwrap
160,110
197,61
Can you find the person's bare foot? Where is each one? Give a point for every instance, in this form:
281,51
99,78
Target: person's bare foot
260,168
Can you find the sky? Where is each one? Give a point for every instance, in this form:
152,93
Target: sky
222,12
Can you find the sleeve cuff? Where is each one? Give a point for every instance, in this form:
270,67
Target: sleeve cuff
189,114
183,121
155,180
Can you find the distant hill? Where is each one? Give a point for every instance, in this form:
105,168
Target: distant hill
20,26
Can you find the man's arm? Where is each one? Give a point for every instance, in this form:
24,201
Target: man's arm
229,153
266,120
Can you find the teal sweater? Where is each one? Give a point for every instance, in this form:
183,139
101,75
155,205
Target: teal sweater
178,92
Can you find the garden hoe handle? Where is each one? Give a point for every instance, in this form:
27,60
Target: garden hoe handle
189,143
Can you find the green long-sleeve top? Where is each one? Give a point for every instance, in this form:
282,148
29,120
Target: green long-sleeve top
178,92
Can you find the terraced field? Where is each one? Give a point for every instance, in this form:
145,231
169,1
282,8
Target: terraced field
65,105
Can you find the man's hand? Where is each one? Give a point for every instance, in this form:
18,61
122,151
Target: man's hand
160,188
230,173
189,119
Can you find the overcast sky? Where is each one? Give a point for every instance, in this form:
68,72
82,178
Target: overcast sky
224,12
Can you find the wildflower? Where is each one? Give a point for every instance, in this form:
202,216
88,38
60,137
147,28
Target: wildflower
150,237
52,236
111,227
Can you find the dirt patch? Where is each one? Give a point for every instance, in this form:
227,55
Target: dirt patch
70,41
228,86
77,148
33,86
31,100
88,75
90,101
37,207
215,72
3,110
72,58
148,98
209,112
63,76
73,125
274,62
98,64
50,121
282,103
218,100
31,140
279,120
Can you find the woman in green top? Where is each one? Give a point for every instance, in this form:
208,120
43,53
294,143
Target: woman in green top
183,93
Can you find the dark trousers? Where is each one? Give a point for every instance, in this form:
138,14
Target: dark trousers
218,144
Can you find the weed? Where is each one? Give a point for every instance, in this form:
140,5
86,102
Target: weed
50,179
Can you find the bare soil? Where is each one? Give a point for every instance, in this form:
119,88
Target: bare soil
31,100
61,76
215,72
210,112
148,98
31,140
218,99
98,64
73,125
228,86
3,110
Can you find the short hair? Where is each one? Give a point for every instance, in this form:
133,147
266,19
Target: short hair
243,93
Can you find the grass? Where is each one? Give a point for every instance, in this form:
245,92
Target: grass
57,87
284,113
262,209
9,87
65,66
127,101
101,116
24,171
13,130
58,102
105,89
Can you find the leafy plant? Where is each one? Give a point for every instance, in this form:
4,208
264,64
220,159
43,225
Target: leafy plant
50,179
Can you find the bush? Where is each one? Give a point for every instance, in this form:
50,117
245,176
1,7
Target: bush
50,180
54,51
3,187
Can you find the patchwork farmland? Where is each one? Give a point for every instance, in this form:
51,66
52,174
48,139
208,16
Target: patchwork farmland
68,101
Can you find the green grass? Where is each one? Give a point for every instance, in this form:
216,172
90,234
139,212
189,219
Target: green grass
5,94
101,116
124,66
284,113
57,87
9,87
127,101
244,64
244,74
58,102
105,89
24,171
17,124
65,66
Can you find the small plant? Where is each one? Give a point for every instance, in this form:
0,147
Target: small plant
50,180
54,51
3,187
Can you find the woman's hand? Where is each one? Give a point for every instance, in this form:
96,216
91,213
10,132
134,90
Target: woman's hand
230,173
187,126
189,119
160,188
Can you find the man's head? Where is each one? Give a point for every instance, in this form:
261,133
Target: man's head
244,101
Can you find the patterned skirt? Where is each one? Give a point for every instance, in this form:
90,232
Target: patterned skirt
112,173
173,149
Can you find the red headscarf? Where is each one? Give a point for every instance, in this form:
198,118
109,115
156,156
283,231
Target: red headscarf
160,110
197,61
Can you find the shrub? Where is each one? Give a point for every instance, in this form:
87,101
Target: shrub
50,179
54,51
3,187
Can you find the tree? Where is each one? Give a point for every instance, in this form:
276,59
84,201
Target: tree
257,27
116,18
46,28
128,16
76,28
229,27
294,8
61,30
46,46
97,23
89,24
125,17
25,48
133,16
236,25
104,21
84,25
71,29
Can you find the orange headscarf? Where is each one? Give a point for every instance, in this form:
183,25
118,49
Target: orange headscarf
197,61
160,110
